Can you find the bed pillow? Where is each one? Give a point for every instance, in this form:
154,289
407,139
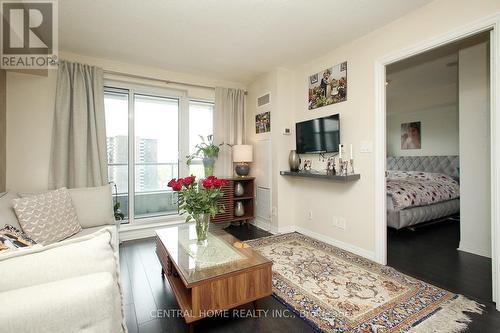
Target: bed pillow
47,217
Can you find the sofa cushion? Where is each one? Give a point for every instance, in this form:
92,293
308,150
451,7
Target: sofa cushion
7,215
62,260
94,205
88,303
89,231
47,217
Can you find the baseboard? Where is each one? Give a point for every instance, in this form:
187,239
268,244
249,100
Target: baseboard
341,245
147,230
470,249
265,225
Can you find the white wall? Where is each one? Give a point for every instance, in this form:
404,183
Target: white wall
279,84
355,201
475,222
439,131
30,106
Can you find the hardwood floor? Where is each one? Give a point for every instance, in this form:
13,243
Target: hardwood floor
145,292
428,254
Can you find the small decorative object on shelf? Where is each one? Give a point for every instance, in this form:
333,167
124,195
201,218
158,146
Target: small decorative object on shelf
199,201
239,210
238,189
208,152
242,155
294,160
307,165
330,166
351,160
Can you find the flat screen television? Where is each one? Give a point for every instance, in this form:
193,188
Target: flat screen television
321,135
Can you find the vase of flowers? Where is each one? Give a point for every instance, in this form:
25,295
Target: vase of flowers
199,200
208,152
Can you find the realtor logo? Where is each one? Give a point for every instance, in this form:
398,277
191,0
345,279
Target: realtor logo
29,34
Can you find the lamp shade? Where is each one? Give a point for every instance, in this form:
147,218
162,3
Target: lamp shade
242,153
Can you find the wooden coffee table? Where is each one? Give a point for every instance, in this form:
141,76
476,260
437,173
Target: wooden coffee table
218,275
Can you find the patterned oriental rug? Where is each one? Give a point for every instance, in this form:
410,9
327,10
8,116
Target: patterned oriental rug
337,291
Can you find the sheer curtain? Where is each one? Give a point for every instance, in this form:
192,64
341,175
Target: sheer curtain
229,126
79,153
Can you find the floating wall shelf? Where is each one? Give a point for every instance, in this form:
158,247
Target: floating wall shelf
314,174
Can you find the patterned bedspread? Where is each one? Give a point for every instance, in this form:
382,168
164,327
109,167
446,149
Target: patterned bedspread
415,188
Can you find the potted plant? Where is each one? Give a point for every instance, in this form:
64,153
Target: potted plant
199,201
208,152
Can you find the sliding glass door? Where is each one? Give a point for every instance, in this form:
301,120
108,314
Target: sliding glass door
148,135
156,154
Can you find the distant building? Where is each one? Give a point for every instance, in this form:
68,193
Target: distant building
146,152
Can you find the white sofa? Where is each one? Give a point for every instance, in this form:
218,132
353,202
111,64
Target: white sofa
69,286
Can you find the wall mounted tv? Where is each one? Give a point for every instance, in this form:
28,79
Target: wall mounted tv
321,135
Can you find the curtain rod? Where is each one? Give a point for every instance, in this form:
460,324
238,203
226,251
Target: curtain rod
159,80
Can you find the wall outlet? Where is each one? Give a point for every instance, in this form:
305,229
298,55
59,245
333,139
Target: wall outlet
310,215
274,211
339,222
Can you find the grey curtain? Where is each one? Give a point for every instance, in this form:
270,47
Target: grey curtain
229,126
79,153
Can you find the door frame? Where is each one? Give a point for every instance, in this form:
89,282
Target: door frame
487,23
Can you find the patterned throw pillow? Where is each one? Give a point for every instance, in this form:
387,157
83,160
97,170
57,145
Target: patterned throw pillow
12,238
47,217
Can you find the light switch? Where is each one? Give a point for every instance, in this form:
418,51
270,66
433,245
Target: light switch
366,147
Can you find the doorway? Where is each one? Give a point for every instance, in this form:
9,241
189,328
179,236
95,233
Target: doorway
491,25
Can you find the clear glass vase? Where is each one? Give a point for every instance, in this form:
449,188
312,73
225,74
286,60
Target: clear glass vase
202,223
208,165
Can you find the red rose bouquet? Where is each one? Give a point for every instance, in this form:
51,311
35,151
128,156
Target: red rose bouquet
199,201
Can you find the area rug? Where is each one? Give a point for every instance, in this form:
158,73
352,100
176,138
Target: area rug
337,291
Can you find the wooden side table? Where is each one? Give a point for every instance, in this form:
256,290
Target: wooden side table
229,201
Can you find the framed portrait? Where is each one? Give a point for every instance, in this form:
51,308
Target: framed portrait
411,135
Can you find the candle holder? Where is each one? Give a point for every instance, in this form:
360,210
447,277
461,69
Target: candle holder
345,166
352,165
341,167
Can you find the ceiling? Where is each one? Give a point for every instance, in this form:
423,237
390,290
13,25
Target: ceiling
427,80
234,40
422,86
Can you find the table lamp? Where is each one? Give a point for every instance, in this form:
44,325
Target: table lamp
242,155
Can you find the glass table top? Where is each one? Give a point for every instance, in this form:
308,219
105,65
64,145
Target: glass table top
220,254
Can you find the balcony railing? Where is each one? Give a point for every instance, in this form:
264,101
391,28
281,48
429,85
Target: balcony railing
147,202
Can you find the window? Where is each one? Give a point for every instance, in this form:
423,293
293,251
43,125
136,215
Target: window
200,123
147,132
116,106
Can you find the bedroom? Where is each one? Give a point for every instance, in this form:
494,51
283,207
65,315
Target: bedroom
438,167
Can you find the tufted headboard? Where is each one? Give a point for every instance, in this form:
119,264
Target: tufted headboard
449,165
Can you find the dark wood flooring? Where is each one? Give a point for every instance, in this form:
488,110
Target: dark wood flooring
145,292
430,254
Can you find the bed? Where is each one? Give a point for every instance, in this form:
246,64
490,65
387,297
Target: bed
421,189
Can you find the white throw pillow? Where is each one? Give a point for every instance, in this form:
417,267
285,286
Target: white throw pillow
94,205
47,217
